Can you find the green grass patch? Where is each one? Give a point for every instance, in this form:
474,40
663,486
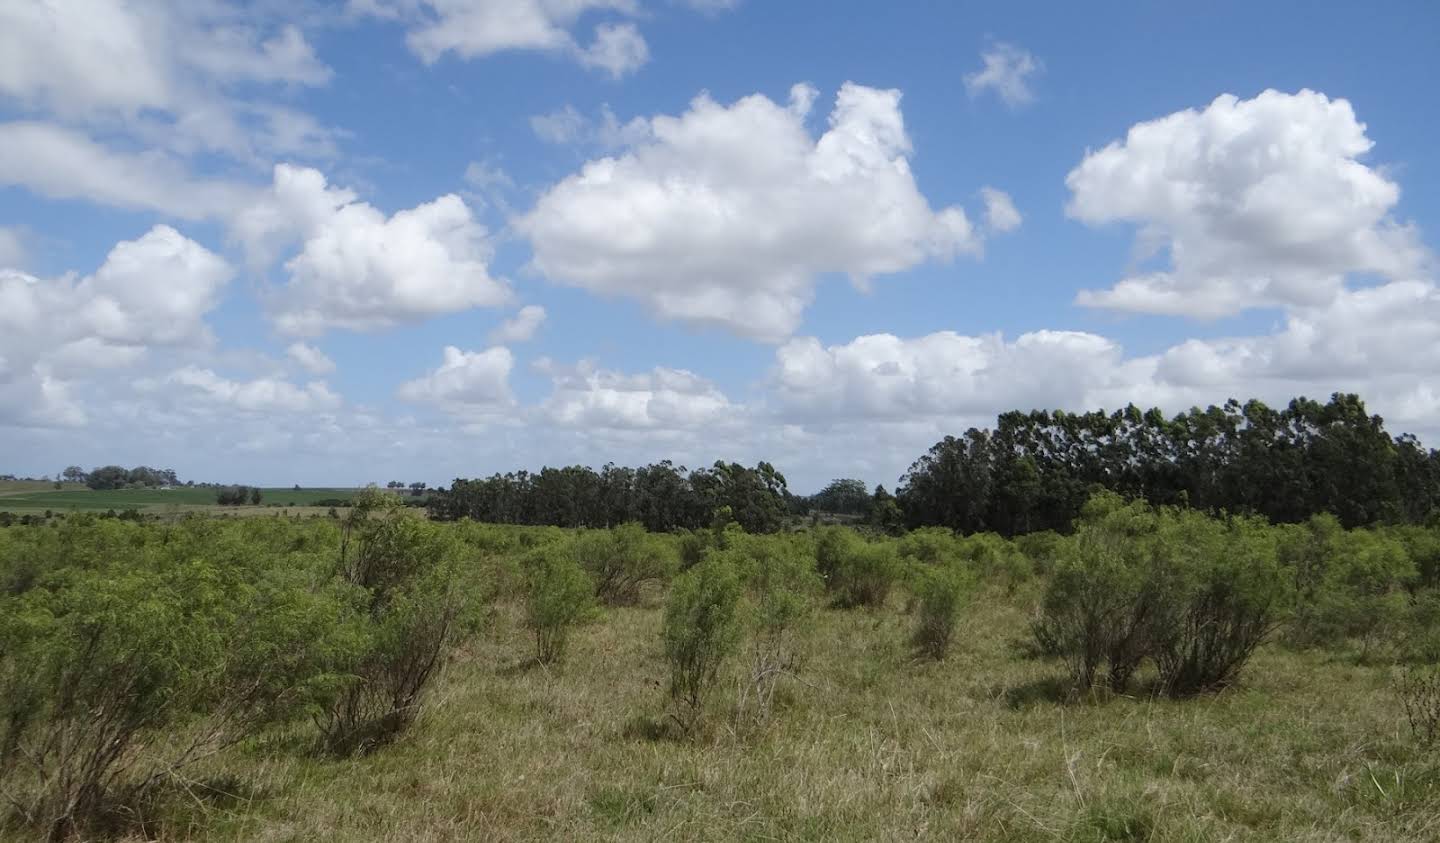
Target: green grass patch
89,500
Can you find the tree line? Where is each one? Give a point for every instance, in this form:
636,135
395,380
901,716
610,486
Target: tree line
119,477
662,496
1034,471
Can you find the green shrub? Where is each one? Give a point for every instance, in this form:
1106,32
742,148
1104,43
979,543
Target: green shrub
418,601
621,560
930,546
1352,589
856,572
558,595
780,585
1218,595
1097,605
995,559
941,591
101,658
1040,548
701,629
1195,594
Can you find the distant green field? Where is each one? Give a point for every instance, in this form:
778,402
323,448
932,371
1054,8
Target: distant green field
120,499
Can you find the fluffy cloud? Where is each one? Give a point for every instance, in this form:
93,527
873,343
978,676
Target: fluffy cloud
63,164
726,215
150,291
1258,202
261,395
154,291
182,65
466,381
310,358
475,29
1007,72
587,397
520,327
359,269
65,56
1383,342
945,374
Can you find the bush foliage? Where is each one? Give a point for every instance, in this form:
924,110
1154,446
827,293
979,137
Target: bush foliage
131,649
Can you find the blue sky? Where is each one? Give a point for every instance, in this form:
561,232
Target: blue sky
276,243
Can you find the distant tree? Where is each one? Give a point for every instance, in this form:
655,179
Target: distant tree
885,513
74,474
108,477
416,489
255,496
845,497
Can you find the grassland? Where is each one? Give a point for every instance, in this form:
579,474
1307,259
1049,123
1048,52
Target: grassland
867,744
22,497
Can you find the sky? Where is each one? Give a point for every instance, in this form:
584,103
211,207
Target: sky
349,242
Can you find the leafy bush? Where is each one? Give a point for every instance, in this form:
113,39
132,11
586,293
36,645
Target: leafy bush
621,560
930,546
994,558
856,572
1352,588
558,595
418,602
1195,594
941,591
1097,604
99,656
780,586
701,629
1221,588
1040,548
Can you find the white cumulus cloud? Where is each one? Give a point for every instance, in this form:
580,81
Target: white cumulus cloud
727,215
260,395
1251,203
465,381
944,374
149,292
359,269
476,29
61,163
587,397
167,75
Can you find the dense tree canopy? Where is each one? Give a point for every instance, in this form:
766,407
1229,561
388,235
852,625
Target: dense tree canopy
118,477
1035,470
843,497
662,496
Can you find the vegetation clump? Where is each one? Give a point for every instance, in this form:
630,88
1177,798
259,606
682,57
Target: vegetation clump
558,595
701,630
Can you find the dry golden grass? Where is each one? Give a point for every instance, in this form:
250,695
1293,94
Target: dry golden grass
871,744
